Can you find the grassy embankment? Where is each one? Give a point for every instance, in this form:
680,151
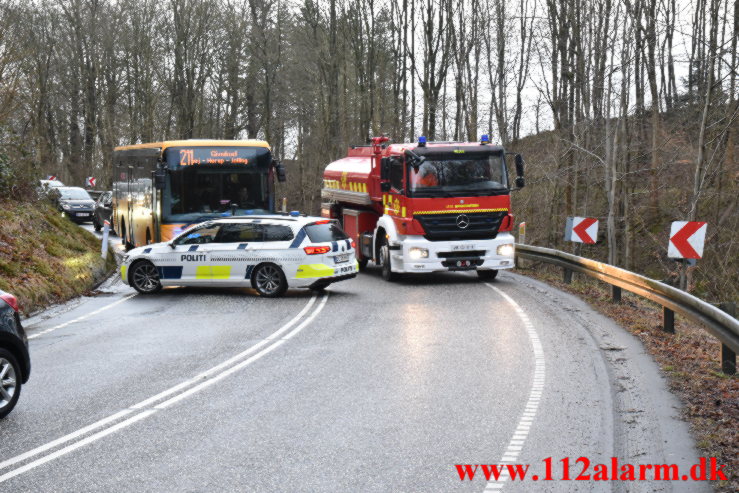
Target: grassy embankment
690,359
46,258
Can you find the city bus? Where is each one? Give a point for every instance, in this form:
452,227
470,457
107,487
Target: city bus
161,188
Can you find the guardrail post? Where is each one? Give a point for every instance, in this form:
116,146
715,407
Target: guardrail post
616,293
567,276
668,318
728,357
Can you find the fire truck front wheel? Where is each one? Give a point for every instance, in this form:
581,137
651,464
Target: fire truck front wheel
387,272
487,275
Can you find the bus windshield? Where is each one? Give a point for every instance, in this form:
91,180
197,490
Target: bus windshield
458,176
198,192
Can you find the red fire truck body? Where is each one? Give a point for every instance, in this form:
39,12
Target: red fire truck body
425,207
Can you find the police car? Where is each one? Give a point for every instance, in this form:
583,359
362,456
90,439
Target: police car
268,253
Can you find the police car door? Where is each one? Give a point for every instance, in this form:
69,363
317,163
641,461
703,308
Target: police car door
234,253
191,254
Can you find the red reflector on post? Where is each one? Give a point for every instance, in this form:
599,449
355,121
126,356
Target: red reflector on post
507,223
317,250
10,300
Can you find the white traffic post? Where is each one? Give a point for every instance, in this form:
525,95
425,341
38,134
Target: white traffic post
106,231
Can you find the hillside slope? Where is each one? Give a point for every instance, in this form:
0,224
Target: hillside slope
45,258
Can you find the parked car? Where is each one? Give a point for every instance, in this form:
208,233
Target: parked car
50,183
15,364
46,186
103,210
74,202
268,253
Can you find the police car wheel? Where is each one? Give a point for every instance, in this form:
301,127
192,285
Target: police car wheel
487,275
10,382
144,278
269,281
387,272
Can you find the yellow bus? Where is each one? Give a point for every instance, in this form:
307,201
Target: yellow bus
161,188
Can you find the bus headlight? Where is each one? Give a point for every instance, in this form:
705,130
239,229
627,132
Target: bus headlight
416,253
506,250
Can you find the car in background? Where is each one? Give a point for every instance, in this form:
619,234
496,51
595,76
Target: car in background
74,202
45,186
267,253
50,183
103,210
15,363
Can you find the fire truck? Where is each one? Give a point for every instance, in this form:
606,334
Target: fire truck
425,206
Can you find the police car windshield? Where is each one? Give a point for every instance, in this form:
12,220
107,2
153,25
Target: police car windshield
324,232
458,175
74,193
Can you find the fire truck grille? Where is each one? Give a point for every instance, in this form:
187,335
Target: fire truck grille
461,254
468,226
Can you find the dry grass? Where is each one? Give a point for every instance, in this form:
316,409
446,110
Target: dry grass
690,359
45,258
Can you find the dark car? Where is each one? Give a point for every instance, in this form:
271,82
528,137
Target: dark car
74,202
103,210
15,364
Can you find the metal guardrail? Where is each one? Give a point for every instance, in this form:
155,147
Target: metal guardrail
720,324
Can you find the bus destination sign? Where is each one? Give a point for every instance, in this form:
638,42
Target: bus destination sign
188,156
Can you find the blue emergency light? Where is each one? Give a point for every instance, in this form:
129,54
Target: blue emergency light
484,139
422,141
295,213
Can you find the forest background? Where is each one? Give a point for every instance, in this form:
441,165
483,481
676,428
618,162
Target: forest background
625,110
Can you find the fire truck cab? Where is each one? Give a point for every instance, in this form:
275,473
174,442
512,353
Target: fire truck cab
426,206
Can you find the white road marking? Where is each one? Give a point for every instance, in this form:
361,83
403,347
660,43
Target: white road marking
206,379
64,439
83,317
537,387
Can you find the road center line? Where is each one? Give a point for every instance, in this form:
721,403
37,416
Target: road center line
82,317
518,439
206,379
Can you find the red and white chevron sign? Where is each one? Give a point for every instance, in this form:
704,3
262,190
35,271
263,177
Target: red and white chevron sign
686,239
584,230
91,181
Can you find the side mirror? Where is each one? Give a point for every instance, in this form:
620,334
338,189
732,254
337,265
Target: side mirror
519,165
385,186
160,178
520,182
281,172
384,168
171,244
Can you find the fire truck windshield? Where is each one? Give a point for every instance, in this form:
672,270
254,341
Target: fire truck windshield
458,175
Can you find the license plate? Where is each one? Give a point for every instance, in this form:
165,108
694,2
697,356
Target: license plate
83,214
457,248
341,258
345,270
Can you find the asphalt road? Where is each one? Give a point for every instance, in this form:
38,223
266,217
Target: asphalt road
370,387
